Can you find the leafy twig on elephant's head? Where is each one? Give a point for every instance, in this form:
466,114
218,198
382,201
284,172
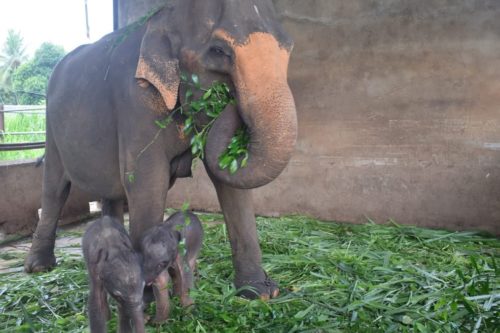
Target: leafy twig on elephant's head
129,29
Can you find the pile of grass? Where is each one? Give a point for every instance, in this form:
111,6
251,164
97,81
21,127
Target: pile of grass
334,278
18,122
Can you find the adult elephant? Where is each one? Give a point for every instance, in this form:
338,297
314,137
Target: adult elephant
103,100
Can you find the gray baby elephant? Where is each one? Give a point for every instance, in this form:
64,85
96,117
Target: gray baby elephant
115,268
162,259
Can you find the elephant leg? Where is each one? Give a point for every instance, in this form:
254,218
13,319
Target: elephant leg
113,208
237,207
55,191
147,193
181,278
98,307
191,265
161,292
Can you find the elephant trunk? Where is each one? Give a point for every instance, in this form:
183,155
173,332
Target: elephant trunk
266,107
272,124
138,319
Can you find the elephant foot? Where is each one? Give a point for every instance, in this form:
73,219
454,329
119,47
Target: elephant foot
40,258
264,288
159,319
161,315
186,301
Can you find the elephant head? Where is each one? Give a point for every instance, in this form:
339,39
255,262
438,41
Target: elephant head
241,43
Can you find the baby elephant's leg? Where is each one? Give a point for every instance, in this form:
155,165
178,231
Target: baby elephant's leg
98,307
160,290
181,277
191,265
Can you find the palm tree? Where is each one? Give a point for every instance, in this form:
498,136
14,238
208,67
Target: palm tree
12,55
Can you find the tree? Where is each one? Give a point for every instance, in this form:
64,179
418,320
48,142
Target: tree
11,57
29,80
13,54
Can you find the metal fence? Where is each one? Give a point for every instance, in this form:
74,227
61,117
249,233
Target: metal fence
23,109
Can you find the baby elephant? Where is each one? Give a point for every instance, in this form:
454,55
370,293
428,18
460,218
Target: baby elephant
114,267
164,258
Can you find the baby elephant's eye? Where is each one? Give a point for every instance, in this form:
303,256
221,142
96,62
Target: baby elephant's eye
161,266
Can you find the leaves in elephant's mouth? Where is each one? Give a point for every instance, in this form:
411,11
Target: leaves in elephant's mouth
236,153
211,104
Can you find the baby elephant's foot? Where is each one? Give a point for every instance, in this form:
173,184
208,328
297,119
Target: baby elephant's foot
264,288
158,320
186,301
161,316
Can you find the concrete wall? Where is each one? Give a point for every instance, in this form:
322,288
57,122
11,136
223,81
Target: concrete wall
20,198
399,113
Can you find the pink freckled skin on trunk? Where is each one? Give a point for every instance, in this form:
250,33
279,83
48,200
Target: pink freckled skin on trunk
266,106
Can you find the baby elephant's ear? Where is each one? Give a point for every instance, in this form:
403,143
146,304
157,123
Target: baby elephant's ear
177,235
157,64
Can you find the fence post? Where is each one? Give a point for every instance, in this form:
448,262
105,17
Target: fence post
2,123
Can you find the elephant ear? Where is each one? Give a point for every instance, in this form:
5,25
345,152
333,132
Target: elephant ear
156,63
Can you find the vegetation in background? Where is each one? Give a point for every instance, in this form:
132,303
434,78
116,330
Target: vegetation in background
11,57
334,278
30,80
15,122
24,81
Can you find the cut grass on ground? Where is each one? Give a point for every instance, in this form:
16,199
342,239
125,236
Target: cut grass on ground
18,122
334,278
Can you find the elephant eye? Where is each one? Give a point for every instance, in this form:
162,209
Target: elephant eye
219,51
161,266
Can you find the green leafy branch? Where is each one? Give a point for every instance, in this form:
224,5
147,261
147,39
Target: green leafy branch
237,148
211,103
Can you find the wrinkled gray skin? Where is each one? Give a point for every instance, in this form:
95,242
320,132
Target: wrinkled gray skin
103,100
162,260
115,268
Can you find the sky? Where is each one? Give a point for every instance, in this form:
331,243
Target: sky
61,22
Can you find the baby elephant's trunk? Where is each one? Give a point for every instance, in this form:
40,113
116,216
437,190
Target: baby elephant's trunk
138,319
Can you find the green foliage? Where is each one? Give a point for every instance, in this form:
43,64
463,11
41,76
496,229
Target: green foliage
129,29
231,158
32,77
15,122
334,278
48,55
13,54
210,105
11,57
130,177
